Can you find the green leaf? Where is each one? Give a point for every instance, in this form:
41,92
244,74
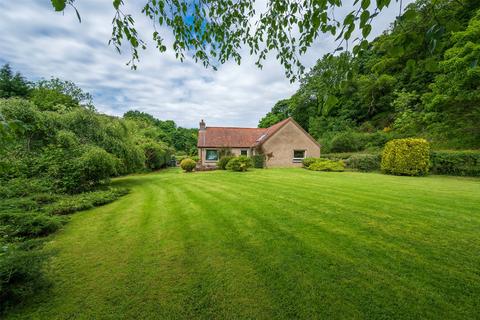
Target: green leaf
365,4
116,4
364,18
366,30
59,5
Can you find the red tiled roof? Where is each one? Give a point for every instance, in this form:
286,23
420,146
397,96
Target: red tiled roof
228,137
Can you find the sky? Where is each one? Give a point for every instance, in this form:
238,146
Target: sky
41,43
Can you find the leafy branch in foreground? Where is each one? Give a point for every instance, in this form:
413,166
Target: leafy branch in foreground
215,31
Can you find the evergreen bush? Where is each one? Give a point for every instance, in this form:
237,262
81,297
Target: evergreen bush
458,163
326,165
364,162
258,161
222,163
188,164
409,157
241,164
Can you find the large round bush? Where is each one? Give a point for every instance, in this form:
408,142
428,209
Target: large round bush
241,163
409,157
188,164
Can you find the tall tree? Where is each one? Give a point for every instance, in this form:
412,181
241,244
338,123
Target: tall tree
12,85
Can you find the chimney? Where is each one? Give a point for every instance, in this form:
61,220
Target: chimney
202,125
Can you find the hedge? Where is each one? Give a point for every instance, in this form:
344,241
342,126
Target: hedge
320,164
406,157
364,162
458,163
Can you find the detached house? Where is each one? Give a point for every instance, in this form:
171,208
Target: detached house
284,144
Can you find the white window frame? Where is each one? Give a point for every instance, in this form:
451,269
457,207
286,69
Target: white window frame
298,160
246,152
206,155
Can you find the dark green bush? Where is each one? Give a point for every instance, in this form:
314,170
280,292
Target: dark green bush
406,157
258,161
458,163
377,140
348,141
84,201
96,165
222,163
364,162
240,163
28,224
326,165
20,273
156,155
188,164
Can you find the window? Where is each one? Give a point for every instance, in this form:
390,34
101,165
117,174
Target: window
298,155
212,155
244,152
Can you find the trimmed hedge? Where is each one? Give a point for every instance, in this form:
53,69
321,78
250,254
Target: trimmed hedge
320,164
458,163
241,164
409,157
364,162
337,156
258,161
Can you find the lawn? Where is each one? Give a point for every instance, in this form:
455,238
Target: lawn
275,243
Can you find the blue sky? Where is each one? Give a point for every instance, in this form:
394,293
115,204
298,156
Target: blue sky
41,43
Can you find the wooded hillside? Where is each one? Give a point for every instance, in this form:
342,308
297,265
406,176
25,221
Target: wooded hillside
421,78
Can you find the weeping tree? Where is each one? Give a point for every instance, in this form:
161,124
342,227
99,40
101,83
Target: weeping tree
216,31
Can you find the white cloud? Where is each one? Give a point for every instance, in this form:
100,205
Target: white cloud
41,43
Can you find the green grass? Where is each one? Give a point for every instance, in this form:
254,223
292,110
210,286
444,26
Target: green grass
275,243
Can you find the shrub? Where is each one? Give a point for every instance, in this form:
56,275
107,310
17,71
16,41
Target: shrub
406,157
308,161
222,163
188,164
364,162
20,274
96,165
258,161
28,225
458,163
156,155
84,201
241,163
326,165
195,158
